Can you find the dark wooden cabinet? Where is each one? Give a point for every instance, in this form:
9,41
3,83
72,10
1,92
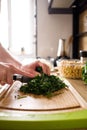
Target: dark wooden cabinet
60,6
79,30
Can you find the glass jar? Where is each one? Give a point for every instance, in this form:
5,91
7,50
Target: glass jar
83,56
70,69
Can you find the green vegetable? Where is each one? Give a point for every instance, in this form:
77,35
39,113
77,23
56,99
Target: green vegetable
84,73
39,69
43,85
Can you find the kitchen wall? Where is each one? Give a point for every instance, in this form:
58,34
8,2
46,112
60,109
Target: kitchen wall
50,28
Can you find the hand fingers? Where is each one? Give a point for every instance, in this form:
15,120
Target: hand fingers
33,66
6,77
45,67
29,72
9,77
32,73
2,82
3,77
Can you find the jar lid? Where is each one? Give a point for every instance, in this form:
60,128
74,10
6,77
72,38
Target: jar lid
83,53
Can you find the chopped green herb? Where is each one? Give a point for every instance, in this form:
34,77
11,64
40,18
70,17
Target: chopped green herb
39,69
43,85
84,73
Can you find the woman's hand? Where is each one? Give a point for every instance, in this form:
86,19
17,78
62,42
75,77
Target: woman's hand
31,68
7,70
9,66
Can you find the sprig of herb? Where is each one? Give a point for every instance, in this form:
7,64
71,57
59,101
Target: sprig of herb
84,73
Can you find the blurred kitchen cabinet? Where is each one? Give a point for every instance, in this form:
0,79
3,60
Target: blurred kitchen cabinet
79,27
83,22
78,8
83,30
60,6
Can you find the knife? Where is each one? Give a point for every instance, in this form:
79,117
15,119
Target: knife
4,89
23,79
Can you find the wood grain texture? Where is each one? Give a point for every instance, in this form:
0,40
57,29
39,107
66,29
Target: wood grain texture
63,100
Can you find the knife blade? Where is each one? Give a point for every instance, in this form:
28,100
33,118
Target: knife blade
3,90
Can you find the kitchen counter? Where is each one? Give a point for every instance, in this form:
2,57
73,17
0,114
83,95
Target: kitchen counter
80,87
54,120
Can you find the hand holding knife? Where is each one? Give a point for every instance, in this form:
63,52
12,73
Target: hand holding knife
25,79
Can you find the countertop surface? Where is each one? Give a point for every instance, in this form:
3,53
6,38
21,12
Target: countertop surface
80,87
45,120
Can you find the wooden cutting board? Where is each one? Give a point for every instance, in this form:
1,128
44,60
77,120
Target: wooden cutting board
16,100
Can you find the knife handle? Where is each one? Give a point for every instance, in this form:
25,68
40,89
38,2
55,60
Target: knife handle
23,79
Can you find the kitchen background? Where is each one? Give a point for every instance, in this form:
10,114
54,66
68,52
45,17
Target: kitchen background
51,28
47,29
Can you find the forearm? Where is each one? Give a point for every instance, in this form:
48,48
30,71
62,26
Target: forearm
6,57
